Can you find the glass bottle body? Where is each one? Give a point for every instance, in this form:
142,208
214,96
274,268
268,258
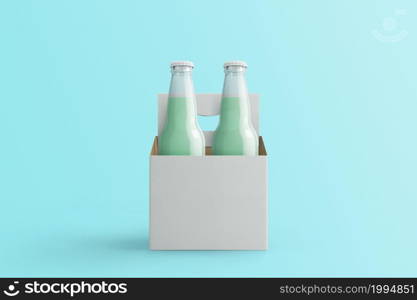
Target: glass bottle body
235,134
181,134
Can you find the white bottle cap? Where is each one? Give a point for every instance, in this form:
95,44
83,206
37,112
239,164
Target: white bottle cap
182,63
237,63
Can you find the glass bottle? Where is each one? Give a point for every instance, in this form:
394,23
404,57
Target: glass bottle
235,134
181,134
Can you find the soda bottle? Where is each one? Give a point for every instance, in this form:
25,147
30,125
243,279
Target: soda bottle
235,134
181,134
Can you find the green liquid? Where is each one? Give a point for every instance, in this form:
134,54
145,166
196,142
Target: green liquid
181,135
234,135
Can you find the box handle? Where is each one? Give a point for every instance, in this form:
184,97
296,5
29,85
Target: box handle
207,105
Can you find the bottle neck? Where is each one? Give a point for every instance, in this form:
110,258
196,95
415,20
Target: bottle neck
235,83
181,83
235,110
182,110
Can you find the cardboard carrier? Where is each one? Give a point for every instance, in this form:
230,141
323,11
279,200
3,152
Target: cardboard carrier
212,202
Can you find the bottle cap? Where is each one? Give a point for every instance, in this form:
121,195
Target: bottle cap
237,63
182,63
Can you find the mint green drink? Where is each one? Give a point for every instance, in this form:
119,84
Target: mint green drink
181,134
235,134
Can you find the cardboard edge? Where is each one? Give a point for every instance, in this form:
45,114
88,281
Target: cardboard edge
261,149
154,149
157,248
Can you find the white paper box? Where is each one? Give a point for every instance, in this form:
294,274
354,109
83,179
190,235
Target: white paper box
211,202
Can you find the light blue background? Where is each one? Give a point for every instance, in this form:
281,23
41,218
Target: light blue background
78,85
